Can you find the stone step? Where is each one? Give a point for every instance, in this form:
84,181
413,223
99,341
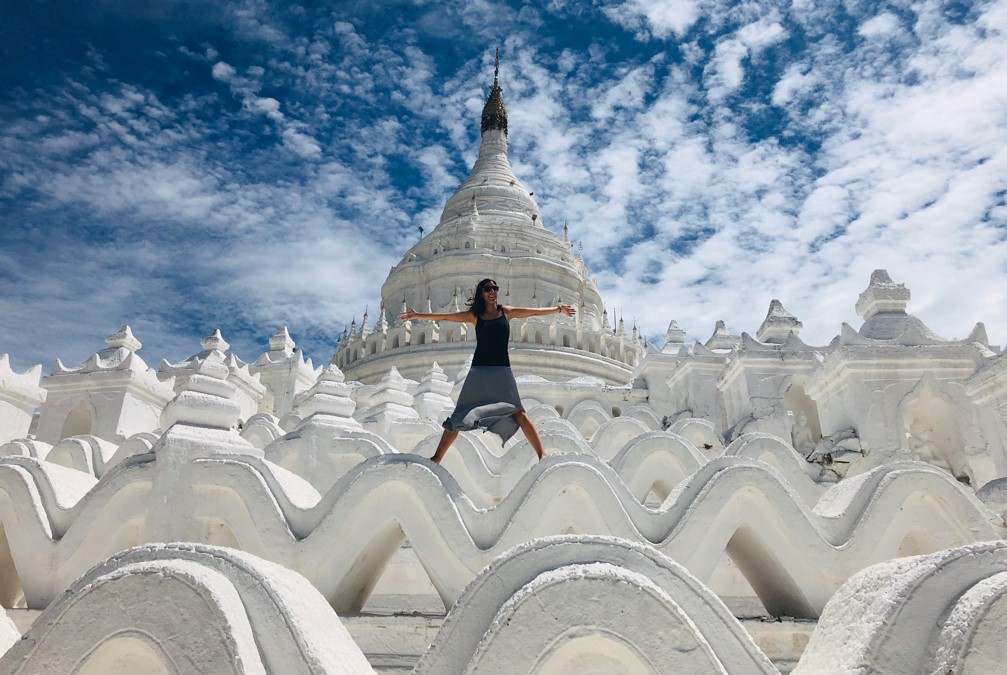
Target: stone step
393,643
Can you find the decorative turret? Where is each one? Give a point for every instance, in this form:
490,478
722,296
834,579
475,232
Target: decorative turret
207,401
112,395
882,296
123,339
883,307
433,395
281,342
779,323
249,391
722,339
284,372
214,341
329,400
389,404
674,338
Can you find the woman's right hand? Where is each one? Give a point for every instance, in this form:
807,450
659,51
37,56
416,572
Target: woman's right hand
408,315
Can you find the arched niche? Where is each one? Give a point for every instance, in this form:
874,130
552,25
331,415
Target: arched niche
594,653
78,422
930,430
807,430
127,653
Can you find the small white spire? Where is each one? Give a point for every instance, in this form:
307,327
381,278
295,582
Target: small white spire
214,341
123,338
281,342
364,330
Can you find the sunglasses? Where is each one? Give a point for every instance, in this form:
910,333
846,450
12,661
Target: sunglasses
487,288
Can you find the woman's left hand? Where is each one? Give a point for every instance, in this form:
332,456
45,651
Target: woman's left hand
569,310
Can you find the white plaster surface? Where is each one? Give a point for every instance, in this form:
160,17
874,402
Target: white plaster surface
920,614
600,592
188,609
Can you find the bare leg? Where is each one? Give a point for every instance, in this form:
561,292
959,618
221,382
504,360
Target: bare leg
530,432
447,438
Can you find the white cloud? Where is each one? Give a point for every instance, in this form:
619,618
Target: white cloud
223,71
628,92
882,24
300,143
661,19
725,72
794,82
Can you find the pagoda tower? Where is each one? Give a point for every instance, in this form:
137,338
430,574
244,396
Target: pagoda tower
491,227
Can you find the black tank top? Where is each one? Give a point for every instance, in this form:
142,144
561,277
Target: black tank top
492,336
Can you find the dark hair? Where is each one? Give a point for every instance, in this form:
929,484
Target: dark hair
477,303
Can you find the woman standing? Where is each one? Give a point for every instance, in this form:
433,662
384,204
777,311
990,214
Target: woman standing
489,398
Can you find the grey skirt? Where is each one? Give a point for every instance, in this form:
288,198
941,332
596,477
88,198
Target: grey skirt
488,401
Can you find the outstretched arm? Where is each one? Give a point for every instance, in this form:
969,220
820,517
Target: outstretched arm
525,312
458,317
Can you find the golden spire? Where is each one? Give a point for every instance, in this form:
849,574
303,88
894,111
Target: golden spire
494,112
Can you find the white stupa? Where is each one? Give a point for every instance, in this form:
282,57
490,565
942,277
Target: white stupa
492,228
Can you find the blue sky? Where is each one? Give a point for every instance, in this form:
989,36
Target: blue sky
182,166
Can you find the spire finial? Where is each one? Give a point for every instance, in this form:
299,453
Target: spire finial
494,112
